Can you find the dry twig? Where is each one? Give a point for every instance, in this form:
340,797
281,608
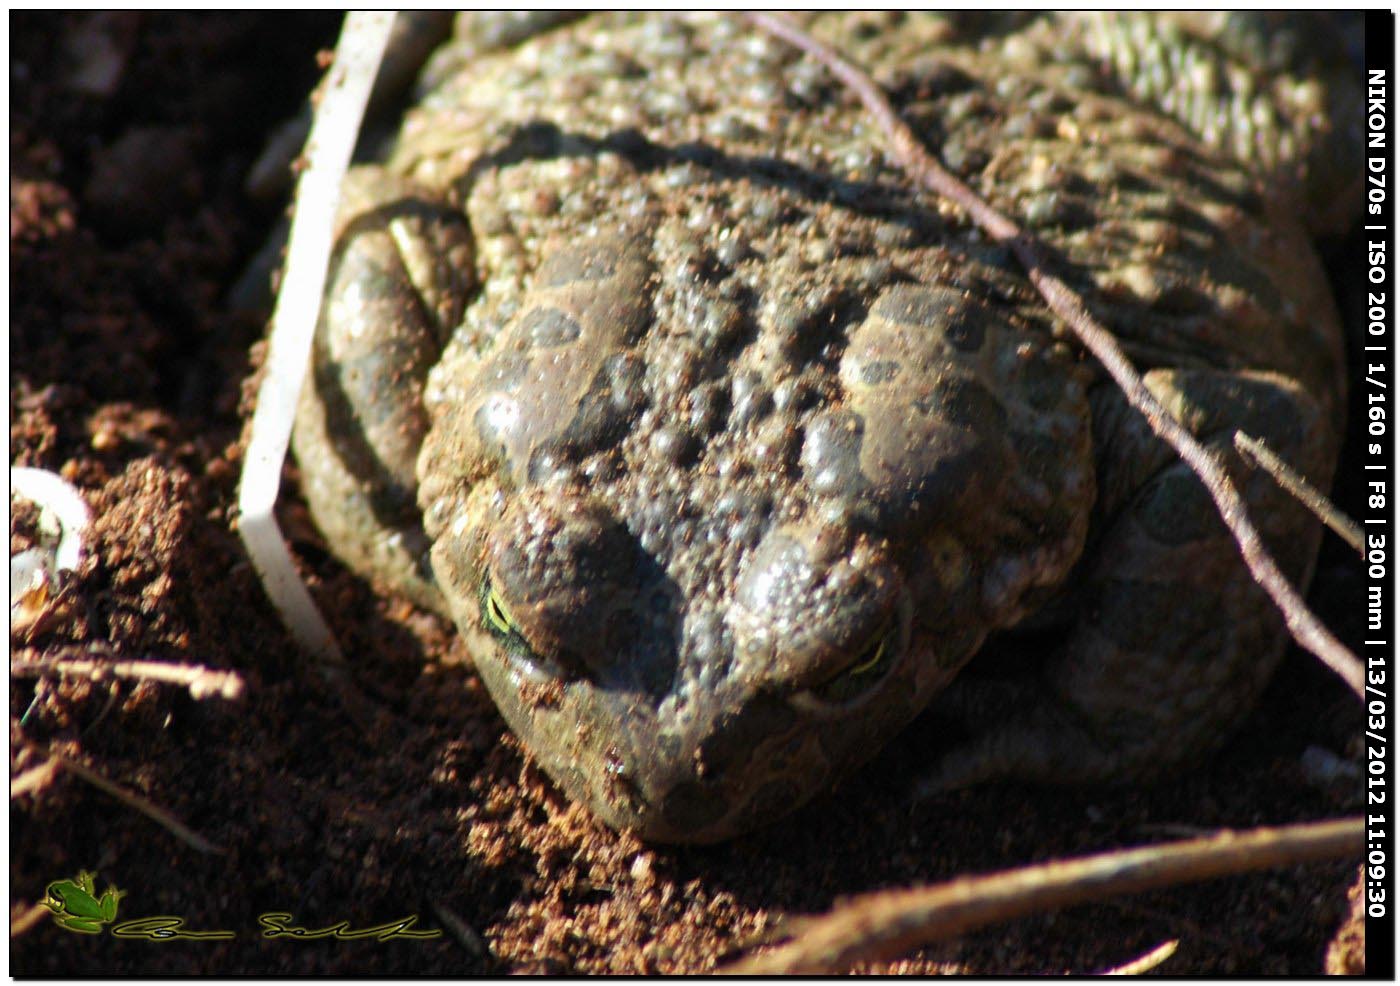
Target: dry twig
34,779
464,934
909,152
202,682
1145,963
158,815
1301,490
28,920
887,924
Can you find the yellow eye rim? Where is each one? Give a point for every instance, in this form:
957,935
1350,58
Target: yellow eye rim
496,613
877,655
496,619
874,663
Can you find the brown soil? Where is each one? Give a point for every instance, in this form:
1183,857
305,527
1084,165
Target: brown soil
130,138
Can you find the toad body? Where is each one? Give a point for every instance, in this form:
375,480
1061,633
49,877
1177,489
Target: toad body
727,447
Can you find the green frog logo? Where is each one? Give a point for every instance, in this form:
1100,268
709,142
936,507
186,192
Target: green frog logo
77,907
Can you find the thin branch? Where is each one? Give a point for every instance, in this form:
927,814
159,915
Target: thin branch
158,815
887,924
28,920
1301,490
911,155
1145,963
40,609
34,779
202,682
464,934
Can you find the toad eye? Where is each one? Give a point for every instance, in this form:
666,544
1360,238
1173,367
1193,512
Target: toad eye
495,617
868,669
495,613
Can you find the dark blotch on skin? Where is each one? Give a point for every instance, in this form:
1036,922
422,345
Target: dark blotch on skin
596,425
879,371
550,327
932,308
937,308
968,403
965,332
603,413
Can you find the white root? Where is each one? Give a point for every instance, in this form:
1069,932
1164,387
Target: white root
334,132
63,520
65,514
